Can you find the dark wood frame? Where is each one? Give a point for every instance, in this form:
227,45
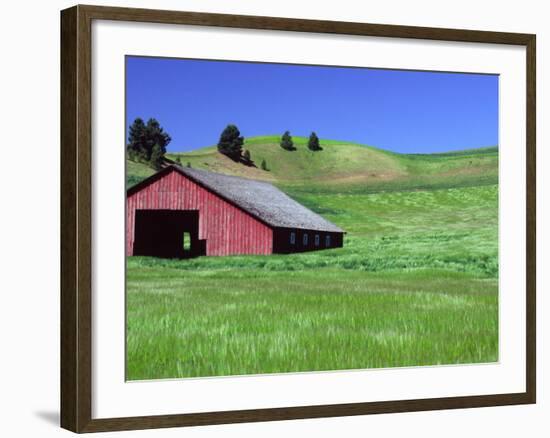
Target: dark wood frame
76,173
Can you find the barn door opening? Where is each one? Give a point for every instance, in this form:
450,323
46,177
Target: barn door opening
187,243
167,234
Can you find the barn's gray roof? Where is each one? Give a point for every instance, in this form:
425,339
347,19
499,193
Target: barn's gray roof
261,199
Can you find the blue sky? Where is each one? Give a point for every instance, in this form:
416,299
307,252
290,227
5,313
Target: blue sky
402,111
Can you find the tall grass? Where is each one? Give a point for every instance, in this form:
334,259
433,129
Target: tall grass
212,323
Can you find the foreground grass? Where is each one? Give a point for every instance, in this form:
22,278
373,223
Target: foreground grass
215,323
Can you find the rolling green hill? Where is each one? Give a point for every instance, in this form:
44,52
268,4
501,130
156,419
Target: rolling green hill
416,282
343,167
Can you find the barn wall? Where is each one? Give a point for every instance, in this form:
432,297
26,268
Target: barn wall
227,229
281,240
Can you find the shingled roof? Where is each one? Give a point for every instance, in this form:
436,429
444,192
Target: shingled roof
261,199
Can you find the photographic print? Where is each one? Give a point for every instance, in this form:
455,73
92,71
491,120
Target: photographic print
286,218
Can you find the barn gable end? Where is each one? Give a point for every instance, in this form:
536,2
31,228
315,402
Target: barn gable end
225,228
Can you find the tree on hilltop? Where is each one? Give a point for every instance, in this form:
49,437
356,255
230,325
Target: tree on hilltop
136,140
157,157
313,143
286,142
147,141
231,142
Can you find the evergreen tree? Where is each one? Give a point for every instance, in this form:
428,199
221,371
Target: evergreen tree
136,139
189,164
246,155
286,142
142,138
157,157
231,142
155,135
178,161
313,143
264,165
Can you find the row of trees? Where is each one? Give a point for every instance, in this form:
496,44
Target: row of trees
231,144
147,142
312,144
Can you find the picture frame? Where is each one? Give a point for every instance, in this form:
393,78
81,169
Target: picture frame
77,168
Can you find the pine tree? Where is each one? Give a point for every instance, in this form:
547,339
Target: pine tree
246,155
142,138
286,142
264,165
136,140
313,143
157,157
178,161
231,142
155,135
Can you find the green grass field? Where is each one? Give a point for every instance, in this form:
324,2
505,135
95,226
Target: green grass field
416,282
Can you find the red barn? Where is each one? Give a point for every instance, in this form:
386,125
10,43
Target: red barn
184,212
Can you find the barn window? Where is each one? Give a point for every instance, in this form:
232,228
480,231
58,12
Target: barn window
316,240
304,240
292,238
327,241
187,241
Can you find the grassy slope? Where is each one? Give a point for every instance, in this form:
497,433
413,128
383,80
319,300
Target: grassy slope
344,167
135,172
415,284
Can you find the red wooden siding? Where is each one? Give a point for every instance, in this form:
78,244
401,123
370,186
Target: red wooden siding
226,228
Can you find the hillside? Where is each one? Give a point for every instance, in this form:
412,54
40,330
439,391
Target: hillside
343,167
418,271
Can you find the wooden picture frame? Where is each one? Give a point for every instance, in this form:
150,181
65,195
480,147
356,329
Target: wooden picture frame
76,218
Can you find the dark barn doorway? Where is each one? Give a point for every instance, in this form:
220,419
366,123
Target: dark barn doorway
168,234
